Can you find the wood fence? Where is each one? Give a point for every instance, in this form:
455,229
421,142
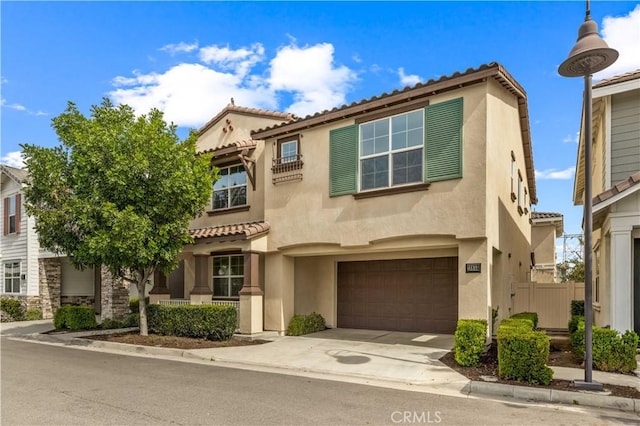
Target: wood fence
552,301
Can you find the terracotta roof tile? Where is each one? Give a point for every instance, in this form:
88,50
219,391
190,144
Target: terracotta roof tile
545,215
618,79
243,231
234,146
618,188
285,116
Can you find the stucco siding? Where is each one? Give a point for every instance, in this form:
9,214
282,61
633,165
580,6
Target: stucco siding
625,135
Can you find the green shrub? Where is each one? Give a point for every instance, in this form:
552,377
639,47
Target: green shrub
110,324
12,309
611,351
33,314
60,317
75,318
577,308
131,320
530,316
573,323
215,322
305,324
522,352
470,337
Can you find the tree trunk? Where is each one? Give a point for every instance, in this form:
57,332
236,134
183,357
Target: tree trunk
142,305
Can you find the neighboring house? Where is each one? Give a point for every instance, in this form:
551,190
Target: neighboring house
42,279
406,211
616,205
545,229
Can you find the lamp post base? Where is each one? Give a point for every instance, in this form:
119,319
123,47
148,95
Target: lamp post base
588,386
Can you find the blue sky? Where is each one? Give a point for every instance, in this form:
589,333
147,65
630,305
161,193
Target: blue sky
190,58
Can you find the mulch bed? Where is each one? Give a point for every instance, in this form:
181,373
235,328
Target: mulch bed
560,356
134,338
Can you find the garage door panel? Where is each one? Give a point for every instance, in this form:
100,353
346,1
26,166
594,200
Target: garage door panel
406,295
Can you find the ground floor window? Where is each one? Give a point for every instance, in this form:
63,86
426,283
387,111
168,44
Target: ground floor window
228,276
12,277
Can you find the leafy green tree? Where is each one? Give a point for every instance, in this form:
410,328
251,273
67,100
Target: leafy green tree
572,269
119,192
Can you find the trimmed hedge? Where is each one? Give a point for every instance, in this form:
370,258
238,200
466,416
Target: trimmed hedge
522,352
529,316
75,318
214,322
611,351
33,314
470,337
131,320
134,304
305,324
577,308
12,309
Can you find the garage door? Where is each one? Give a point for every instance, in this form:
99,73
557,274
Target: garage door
419,295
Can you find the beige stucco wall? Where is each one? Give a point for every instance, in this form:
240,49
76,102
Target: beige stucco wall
543,242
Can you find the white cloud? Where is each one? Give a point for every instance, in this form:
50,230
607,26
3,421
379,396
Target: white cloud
240,60
555,174
13,159
181,47
623,34
189,94
3,80
310,74
17,107
408,80
571,139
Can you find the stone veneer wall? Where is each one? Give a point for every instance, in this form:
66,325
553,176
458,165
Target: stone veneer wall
77,300
50,282
114,296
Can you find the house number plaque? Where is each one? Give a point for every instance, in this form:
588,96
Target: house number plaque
472,267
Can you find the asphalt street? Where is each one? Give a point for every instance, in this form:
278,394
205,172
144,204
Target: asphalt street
45,385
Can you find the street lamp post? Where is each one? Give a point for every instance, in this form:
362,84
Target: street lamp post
589,55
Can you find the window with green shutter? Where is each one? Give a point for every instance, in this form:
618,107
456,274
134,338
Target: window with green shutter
443,141
423,145
343,161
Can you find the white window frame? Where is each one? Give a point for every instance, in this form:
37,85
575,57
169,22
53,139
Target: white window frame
12,224
520,188
229,188
16,277
389,152
227,275
288,158
513,176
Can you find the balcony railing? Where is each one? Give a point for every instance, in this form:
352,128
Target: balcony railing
286,169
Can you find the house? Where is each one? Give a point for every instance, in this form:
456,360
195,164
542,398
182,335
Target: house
616,204
546,227
39,277
405,211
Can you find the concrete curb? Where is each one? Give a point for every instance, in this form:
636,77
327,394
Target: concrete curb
588,399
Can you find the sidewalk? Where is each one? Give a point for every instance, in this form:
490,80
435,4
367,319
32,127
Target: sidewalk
399,362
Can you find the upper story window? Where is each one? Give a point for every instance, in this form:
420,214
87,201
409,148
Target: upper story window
228,276
288,150
396,153
391,151
12,214
520,194
231,189
513,176
12,277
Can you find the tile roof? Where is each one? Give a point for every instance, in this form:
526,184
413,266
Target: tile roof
15,173
545,215
243,231
285,116
618,79
397,97
233,146
618,188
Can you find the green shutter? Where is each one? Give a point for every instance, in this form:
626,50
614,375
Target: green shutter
343,161
443,141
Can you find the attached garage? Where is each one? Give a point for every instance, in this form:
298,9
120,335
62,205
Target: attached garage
418,295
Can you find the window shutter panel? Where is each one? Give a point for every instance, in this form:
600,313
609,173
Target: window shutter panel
343,161
5,218
443,140
18,211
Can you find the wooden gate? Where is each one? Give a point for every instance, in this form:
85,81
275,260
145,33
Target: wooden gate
552,301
